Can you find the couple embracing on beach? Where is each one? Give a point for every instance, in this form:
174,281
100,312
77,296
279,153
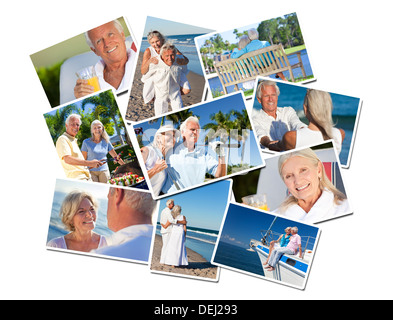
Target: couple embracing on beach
173,232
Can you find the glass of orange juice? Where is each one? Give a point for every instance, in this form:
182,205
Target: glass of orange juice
89,74
257,201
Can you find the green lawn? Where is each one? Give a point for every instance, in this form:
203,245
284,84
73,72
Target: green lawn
293,49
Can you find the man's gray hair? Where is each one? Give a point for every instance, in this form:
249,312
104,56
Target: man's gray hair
139,201
168,46
265,83
194,119
118,26
253,34
168,202
295,229
71,116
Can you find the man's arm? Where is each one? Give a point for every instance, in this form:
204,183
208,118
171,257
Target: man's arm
222,168
80,162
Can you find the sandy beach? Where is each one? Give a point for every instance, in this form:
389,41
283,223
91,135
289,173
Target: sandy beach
137,110
197,265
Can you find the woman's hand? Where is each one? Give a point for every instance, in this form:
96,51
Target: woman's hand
160,165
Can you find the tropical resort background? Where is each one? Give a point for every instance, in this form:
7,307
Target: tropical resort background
285,30
225,120
101,106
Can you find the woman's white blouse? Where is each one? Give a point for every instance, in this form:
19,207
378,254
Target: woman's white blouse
323,209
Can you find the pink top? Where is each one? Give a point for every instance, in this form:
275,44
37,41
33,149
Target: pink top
294,243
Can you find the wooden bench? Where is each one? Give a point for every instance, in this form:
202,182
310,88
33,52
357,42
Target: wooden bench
249,66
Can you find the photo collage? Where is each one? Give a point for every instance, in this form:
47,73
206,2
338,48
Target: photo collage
225,153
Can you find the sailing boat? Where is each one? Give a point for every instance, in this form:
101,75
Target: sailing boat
291,269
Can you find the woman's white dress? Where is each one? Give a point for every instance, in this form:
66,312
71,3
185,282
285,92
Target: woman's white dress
175,253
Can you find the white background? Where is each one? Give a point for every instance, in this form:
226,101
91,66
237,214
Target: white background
350,48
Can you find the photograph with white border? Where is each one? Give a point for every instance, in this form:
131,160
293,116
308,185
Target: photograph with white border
187,232
201,144
287,116
304,184
266,246
100,58
101,220
92,141
168,74
232,59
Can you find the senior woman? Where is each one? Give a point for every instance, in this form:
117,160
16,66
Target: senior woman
253,45
152,55
154,156
97,147
281,242
313,198
78,213
294,246
318,107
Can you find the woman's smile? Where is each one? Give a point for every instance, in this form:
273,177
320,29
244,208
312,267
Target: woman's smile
301,177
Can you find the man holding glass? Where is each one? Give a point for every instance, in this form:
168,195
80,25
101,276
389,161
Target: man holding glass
114,69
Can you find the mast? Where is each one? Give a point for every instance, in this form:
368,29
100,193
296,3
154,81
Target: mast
264,238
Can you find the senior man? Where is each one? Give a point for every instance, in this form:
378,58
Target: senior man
272,122
166,217
72,160
294,246
130,218
114,69
166,76
189,163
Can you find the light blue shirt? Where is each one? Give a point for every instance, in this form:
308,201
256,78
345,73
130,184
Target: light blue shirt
188,169
97,151
252,46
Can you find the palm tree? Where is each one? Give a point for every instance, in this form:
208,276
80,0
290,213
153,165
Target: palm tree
221,127
242,124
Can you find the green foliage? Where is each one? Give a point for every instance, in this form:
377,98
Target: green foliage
282,30
285,30
50,77
104,109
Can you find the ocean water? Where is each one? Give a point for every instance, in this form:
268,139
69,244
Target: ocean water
238,258
345,110
186,45
199,240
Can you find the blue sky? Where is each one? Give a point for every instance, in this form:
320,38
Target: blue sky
203,207
169,28
204,110
227,35
243,224
88,109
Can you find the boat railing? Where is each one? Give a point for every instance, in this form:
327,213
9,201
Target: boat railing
268,236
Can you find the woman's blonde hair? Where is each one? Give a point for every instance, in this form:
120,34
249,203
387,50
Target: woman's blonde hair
324,182
70,206
175,211
319,107
104,135
243,42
